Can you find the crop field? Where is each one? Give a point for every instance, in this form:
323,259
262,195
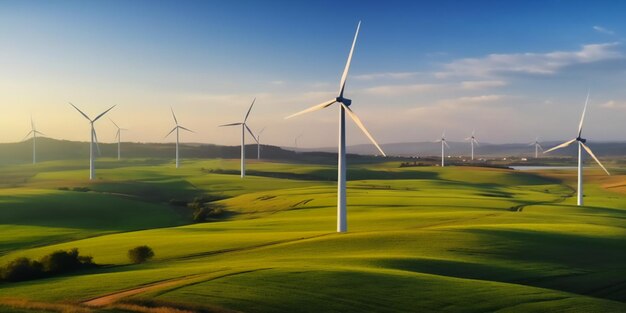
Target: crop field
420,239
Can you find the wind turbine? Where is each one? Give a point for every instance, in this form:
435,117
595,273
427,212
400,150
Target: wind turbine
537,147
472,139
34,132
581,145
177,128
94,137
118,136
444,144
244,126
344,108
258,143
295,141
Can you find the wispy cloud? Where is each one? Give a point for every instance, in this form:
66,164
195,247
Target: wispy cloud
482,84
530,63
471,100
612,104
387,75
389,90
603,30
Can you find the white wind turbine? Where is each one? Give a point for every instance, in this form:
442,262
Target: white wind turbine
244,127
94,137
537,147
444,144
581,145
472,139
118,136
344,108
258,144
177,128
34,132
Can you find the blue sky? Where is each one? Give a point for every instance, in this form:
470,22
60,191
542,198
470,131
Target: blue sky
512,70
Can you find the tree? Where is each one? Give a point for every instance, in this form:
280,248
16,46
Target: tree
140,254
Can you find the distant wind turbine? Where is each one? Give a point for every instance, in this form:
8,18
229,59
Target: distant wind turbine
118,136
244,127
94,137
177,128
444,144
472,139
34,132
537,147
581,145
258,143
295,141
343,109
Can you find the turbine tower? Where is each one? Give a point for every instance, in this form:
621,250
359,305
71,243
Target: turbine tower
244,127
177,128
118,136
537,147
258,144
581,145
444,144
344,107
34,132
94,137
472,139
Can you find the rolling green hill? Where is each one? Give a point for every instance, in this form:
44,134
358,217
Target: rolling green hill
426,239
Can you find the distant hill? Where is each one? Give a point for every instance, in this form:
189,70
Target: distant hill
426,149
52,149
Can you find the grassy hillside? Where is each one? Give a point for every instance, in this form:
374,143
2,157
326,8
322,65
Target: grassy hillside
454,239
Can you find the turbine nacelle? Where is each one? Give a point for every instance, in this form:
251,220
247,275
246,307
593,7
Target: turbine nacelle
583,140
343,100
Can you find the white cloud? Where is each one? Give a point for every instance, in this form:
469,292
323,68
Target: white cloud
471,100
388,75
277,82
603,30
390,90
482,84
530,63
611,104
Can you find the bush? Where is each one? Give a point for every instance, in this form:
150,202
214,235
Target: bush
21,269
64,261
140,254
57,262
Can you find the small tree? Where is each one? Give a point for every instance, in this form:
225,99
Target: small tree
140,254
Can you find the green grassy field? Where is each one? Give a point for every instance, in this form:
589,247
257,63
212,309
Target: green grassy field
421,239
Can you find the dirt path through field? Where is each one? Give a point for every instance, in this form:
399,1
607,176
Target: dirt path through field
114,297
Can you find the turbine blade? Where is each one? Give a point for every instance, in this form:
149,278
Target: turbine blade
261,131
595,158
171,131
81,112
476,142
187,129
446,144
344,77
103,113
30,132
563,145
582,118
114,123
249,109
174,115
39,133
231,124
313,108
468,138
251,133
540,147
358,122
32,124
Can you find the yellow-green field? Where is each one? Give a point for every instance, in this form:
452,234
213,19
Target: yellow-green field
421,239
